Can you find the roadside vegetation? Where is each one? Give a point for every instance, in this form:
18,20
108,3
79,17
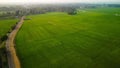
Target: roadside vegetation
5,28
89,39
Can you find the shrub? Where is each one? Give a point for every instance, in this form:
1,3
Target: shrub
3,38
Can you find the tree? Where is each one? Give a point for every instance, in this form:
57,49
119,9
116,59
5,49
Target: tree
17,13
72,11
3,38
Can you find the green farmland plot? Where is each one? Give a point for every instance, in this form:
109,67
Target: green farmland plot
89,39
5,25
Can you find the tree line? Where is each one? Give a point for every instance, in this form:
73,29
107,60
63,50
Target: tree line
71,9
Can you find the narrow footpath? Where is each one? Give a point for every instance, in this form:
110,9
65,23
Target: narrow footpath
13,60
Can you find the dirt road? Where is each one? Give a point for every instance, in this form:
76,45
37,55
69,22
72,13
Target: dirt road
13,60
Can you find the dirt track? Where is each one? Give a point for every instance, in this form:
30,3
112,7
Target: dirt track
13,60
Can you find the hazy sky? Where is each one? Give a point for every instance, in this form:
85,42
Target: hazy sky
59,1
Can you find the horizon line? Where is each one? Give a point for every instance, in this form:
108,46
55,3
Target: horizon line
59,3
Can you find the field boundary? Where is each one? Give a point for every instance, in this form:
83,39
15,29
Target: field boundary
13,60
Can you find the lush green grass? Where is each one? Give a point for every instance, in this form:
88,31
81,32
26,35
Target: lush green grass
5,25
105,10
89,39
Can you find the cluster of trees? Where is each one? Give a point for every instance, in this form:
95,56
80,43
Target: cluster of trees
40,9
21,10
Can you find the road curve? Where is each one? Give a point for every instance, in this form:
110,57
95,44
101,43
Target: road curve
13,60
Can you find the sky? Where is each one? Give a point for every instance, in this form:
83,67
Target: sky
59,1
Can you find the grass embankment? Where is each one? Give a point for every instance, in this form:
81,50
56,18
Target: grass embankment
5,26
90,39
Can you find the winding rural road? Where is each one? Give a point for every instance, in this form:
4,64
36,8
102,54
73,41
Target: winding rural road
13,60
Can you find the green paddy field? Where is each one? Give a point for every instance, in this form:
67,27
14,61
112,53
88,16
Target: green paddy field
5,25
90,39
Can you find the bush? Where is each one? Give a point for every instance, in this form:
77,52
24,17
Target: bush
72,13
3,38
13,27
